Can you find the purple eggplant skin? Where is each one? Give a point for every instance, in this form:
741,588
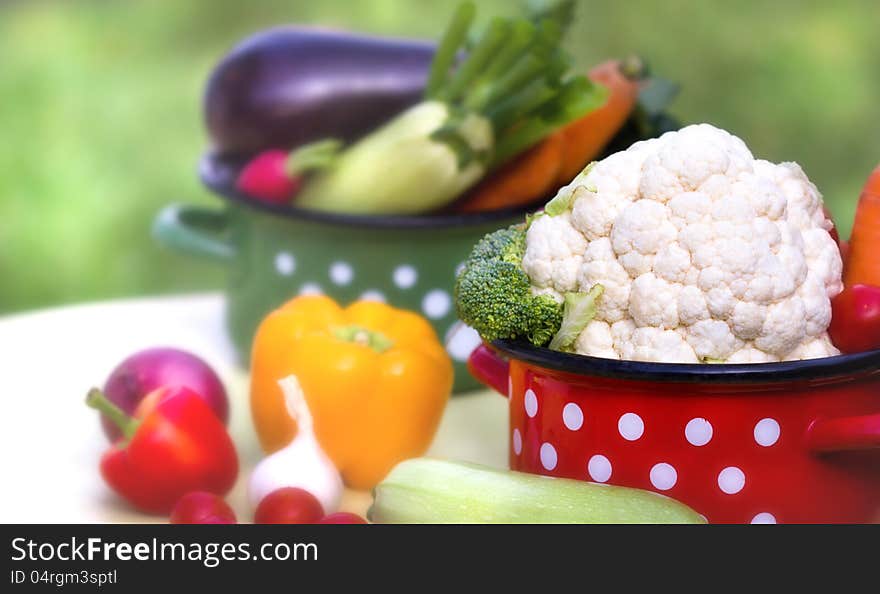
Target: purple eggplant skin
287,86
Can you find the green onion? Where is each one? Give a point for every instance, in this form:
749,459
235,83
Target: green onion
477,60
455,35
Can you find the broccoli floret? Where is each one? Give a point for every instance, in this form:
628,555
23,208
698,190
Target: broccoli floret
493,293
505,245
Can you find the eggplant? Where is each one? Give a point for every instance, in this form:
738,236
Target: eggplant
288,86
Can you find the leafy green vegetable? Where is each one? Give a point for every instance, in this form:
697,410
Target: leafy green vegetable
579,309
564,197
575,98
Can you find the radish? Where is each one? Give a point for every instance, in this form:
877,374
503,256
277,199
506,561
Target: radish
274,176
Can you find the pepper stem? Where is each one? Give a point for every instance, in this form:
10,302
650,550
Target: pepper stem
97,400
364,336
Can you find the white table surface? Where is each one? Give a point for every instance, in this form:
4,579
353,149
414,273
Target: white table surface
51,442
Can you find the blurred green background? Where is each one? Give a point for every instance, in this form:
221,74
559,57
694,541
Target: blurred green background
100,123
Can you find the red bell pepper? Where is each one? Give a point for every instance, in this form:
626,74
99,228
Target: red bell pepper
173,445
855,319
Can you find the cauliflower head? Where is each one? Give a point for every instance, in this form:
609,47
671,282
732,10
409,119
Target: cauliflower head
705,253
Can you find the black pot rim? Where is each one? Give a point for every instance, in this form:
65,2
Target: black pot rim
723,373
218,175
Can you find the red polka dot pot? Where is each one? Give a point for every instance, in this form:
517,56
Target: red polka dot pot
791,442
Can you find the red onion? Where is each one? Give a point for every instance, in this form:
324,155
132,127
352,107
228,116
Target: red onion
145,371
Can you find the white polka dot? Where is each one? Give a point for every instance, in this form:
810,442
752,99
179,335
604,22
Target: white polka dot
766,432
698,431
517,442
285,263
405,276
599,468
663,476
764,518
631,426
311,289
548,456
731,480
373,295
531,403
436,304
461,340
572,416
341,273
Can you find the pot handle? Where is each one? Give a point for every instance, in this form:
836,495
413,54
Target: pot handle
844,434
194,230
489,368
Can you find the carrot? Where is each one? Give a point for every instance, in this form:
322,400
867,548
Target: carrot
863,263
562,155
521,181
586,137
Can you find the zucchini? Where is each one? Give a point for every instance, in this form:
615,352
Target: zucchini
428,491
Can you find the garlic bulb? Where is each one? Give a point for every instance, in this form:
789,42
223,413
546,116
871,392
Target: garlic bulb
301,463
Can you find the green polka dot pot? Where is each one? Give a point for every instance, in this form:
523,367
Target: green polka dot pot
273,253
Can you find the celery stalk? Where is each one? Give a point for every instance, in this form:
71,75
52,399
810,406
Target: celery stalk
423,490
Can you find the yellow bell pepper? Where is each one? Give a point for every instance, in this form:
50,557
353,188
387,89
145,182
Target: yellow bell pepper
375,378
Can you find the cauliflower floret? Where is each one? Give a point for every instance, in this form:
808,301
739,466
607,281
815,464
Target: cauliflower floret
814,349
687,158
641,230
802,198
595,213
597,340
705,253
823,260
712,340
654,302
748,319
654,344
817,307
622,332
673,263
750,354
554,253
692,306
785,327
601,266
